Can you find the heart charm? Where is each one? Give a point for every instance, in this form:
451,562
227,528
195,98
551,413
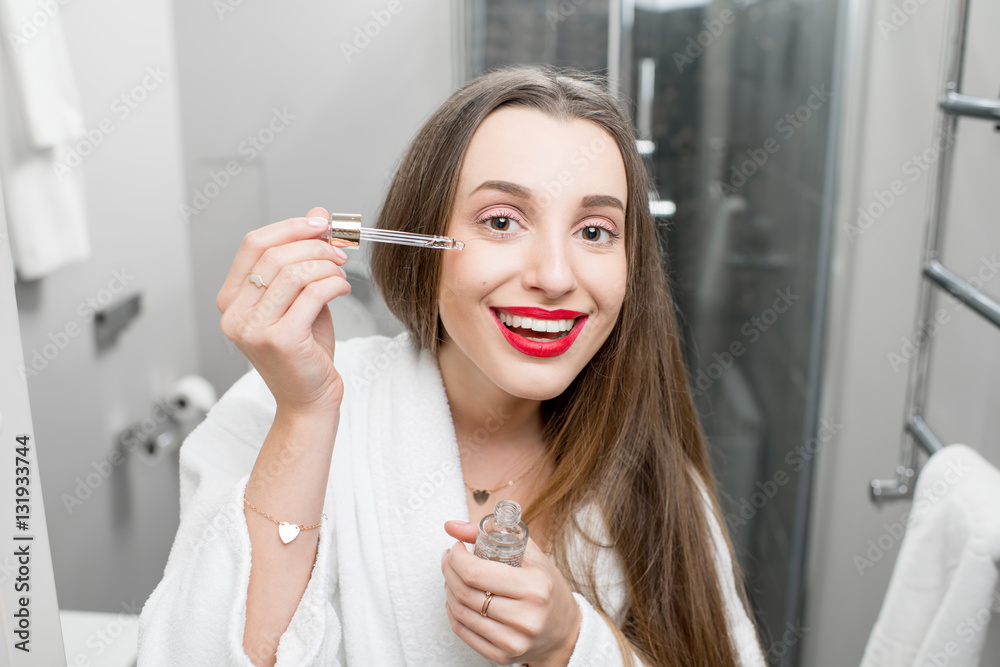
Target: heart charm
481,496
288,531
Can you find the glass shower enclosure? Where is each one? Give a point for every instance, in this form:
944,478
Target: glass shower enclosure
731,102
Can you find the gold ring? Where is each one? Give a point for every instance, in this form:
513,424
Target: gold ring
486,603
257,280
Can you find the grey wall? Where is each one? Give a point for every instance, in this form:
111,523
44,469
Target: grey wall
110,530
890,108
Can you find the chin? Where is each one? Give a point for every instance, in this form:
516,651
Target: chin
535,386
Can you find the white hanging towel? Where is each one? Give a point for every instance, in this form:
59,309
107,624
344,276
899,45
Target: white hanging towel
40,121
941,592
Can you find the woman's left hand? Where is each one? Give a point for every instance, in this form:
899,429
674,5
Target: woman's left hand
532,617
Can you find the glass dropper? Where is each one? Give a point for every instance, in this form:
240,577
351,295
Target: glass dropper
347,227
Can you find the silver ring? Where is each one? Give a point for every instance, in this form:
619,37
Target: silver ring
257,280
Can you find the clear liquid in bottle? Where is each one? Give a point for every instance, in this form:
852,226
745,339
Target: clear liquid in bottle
503,537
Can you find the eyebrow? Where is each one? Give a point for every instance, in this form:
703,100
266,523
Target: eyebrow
590,201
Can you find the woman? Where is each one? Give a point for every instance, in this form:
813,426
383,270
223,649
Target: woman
541,364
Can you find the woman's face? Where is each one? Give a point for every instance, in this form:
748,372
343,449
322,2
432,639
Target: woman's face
541,206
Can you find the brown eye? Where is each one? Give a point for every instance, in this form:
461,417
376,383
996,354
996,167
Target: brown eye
597,235
500,224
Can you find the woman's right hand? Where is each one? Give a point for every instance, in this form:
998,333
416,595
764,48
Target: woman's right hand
285,329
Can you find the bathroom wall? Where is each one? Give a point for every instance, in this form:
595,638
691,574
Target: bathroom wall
307,104
112,515
890,102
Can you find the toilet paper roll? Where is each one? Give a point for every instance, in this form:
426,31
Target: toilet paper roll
192,396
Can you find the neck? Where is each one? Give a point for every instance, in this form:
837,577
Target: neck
489,422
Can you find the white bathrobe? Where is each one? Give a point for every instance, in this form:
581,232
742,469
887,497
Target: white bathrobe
376,595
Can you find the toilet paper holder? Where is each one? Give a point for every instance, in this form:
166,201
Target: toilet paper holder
171,419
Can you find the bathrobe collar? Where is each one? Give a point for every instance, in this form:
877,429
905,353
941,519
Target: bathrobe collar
416,466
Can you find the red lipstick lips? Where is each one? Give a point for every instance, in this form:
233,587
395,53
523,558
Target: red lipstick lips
537,348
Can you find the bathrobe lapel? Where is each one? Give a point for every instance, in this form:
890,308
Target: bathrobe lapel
415,464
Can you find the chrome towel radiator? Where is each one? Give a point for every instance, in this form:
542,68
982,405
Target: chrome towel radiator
953,104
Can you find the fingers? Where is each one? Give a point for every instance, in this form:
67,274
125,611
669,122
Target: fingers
478,575
531,614
287,266
462,530
311,279
476,641
533,555
304,311
318,212
490,638
294,232
473,598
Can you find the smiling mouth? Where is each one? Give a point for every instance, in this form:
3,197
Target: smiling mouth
535,328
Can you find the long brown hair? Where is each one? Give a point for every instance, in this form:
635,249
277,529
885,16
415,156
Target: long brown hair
624,435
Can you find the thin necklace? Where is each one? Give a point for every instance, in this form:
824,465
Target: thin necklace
482,495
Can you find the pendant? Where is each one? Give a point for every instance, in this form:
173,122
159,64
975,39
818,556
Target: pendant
287,531
481,496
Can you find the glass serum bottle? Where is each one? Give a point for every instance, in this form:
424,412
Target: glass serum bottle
503,537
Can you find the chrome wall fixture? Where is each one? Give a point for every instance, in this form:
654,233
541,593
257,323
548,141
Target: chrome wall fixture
952,105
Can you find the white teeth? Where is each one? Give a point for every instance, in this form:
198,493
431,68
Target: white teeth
535,324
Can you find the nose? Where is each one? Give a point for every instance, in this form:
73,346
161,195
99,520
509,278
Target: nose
548,267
